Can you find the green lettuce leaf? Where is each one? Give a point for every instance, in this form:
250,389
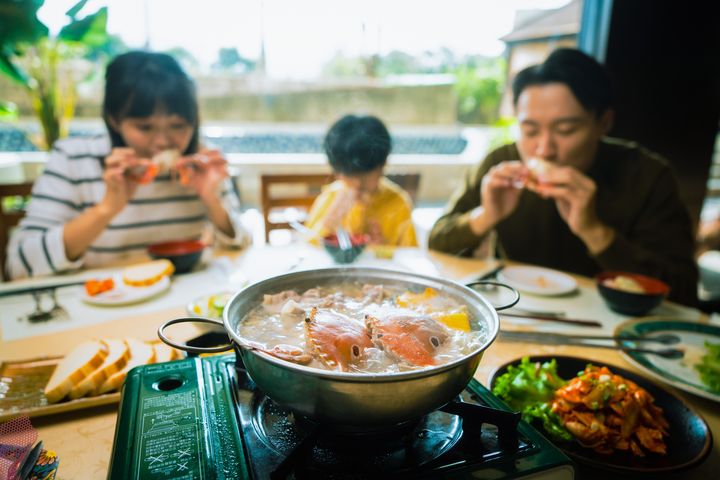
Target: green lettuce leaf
528,388
709,366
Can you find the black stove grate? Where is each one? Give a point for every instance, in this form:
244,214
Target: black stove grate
282,445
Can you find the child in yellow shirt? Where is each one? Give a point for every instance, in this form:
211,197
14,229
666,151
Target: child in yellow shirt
362,200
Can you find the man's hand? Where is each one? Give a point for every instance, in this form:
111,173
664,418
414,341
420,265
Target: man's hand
574,195
500,192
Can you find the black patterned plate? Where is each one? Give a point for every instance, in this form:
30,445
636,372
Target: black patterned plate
688,444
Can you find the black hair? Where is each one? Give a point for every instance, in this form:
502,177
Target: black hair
357,144
139,83
584,76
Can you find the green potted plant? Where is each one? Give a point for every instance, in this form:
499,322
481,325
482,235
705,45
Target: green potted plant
46,65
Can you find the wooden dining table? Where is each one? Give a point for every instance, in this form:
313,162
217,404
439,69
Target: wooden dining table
83,439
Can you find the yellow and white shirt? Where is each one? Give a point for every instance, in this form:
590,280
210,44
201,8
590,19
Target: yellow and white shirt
388,210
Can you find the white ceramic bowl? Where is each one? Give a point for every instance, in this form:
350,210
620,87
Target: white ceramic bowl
709,263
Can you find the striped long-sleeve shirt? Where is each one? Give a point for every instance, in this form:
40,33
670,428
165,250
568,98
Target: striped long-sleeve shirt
72,182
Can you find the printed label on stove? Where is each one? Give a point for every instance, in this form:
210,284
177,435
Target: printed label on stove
170,441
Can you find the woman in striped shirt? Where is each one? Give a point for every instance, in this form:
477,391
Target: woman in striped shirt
97,202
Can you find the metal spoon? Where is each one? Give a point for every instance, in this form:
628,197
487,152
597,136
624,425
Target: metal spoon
343,238
588,341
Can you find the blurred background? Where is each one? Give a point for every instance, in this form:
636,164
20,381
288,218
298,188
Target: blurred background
273,74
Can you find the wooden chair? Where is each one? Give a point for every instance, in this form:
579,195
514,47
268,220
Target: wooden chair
10,218
410,182
280,192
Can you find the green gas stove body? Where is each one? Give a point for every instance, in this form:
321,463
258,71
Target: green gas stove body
203,418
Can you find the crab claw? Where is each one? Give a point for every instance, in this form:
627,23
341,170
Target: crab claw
336,340
407,337
289,353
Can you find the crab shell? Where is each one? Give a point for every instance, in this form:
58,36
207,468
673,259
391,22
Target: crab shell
336,340
407,337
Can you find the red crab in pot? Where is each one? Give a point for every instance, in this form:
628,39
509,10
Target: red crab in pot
335,339
406,336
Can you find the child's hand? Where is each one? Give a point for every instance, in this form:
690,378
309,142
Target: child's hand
343,202
123,172
375,232
203,172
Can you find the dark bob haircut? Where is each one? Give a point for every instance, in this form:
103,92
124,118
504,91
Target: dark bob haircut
357,144
138,84
584,76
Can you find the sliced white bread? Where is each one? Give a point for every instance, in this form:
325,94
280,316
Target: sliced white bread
164,353
148,273
78,364
118,355
141,353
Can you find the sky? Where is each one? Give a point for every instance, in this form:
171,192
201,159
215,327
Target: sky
302,35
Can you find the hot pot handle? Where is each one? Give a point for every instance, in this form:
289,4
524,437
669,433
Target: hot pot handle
188,348
512,303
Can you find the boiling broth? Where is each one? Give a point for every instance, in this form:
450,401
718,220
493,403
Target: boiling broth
280,320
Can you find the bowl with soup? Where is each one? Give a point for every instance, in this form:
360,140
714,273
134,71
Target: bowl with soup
358,347
631,293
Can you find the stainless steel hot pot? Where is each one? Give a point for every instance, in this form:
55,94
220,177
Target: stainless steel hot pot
345,398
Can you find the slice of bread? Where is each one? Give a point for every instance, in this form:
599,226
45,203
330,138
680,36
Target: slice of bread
148,273
118,355
141,353
164,353
78,364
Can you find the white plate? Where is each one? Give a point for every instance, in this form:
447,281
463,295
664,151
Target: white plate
199,308
537,280
124,294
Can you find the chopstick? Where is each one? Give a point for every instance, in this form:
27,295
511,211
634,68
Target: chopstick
541,336
39,288
552,318
491,273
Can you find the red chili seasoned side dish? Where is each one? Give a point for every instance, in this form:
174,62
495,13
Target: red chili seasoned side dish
607,412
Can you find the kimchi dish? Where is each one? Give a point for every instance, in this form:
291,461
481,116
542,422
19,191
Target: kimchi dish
607,412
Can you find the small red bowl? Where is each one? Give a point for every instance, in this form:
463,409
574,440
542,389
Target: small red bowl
358,242
356,239
632,303
184,254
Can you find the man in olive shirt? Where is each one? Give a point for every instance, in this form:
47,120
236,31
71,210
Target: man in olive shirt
589,203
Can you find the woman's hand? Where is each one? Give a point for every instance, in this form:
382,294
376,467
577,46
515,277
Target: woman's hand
122,170
203,172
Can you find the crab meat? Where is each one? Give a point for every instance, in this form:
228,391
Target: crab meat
166,160
373,293
336,340
282,351
275,303
407,336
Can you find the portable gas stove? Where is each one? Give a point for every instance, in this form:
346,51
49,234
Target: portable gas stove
203,418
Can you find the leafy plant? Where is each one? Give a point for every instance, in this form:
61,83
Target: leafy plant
46,65
479,90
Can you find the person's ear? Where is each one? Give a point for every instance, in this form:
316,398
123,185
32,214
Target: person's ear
114,124
606,121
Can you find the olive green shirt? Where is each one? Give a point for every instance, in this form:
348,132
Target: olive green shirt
637,195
